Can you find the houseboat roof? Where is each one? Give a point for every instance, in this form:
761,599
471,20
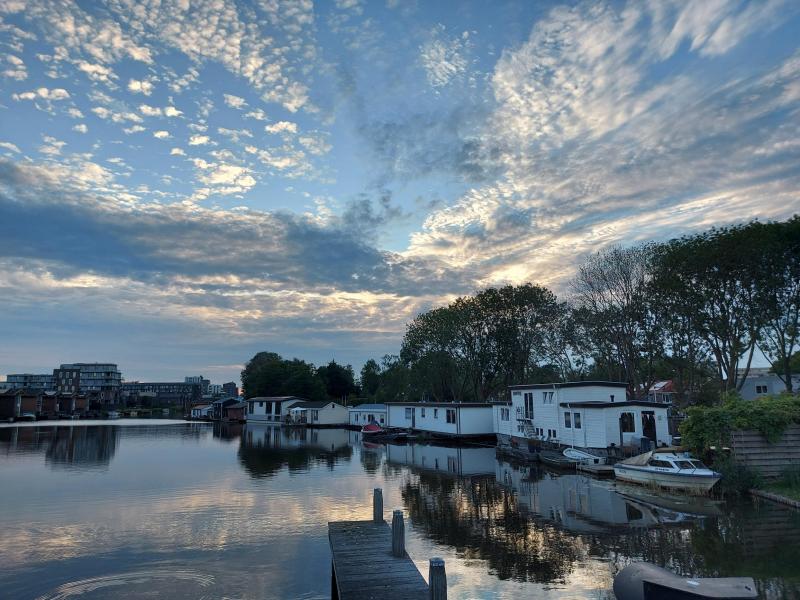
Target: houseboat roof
238,405
274,398
200,406
589,404
568,384
368,407
314,404
445,404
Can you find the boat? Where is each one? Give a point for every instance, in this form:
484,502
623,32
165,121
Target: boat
27,416
582,457
557,460
372,429
112,414
668,468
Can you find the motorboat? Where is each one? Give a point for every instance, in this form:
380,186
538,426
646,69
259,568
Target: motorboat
372,429
668,468
583,457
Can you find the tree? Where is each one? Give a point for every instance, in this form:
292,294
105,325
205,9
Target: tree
780,296
339,380
611,295
370,378
268,374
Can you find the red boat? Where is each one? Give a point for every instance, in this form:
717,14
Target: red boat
372,429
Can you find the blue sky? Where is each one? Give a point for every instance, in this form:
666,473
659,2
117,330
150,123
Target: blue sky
184,183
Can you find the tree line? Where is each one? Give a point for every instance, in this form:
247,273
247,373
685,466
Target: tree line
695,309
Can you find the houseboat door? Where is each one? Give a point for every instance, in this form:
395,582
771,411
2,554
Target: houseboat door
649,424
413,418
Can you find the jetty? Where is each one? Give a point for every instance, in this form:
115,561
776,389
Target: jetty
369,561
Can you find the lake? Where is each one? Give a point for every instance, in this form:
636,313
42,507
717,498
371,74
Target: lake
170,509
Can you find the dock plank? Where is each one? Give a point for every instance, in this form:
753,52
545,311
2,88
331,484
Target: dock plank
364,566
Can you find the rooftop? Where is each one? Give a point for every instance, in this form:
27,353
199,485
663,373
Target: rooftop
568,384
369,407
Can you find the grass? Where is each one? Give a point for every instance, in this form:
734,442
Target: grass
788,485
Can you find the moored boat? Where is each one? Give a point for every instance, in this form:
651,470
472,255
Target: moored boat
372,429
583,457
668,468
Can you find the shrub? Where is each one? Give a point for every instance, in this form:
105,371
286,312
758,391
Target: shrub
736,479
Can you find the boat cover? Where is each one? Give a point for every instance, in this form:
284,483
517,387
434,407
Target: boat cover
639,460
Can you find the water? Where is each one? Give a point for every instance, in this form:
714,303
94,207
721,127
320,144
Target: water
168,509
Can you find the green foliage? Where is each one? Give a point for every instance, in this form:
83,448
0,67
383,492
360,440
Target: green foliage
708,426
339,380
737,479
268,374
788,485
370,378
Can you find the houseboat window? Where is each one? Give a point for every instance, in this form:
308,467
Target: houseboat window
698,465
315,414
761,389
684,464
663,464
577,420
435,413
528,405
504,414
408,413
381,419
422,412
567,421
260,405
451,415
627,423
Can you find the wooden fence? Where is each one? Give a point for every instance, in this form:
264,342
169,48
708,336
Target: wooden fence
752,450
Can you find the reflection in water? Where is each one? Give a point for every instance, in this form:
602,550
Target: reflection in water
214,502
266,449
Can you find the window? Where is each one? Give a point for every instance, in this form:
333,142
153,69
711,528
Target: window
567,421
528,396
422,412
408,413
684,464
761,389
260,405
661,464
547,397
504,414
435,413
451,415
627,423
381,419
577,420
314,415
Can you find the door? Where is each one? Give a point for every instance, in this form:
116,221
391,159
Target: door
649,424
413,418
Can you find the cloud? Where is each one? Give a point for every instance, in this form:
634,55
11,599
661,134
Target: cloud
258,115
444,58
80,128
97,72
43,93
234,101
150,111
199,140
140,86
171,111
161,135
281,127
17,70
134,129
9,146
177,152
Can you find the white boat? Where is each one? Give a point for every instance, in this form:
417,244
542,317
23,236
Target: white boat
112,414
584,458
668,468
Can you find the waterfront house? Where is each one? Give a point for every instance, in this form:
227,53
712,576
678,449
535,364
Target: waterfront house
762,382
446,419
270,409
593,415
662,391
367,413
235,412
315,414
218,407
10,404
201,411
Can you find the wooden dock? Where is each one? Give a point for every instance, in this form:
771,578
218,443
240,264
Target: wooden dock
369,561
597,470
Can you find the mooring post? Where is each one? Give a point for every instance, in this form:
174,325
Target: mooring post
377,505
437,580
398,534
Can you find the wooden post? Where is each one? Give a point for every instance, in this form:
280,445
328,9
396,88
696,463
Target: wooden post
377,505
398,534
437,580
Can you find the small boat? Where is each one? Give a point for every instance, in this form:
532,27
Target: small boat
557,460
372,429
26,416
668,468
584,458
112,414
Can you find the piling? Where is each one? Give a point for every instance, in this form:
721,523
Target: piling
437,580
398,534
377,505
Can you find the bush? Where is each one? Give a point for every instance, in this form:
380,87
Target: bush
736,479
708,426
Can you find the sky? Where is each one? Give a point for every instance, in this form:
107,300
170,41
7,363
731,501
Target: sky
185,183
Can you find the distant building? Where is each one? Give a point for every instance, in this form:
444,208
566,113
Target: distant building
762,382
662,391
160,393
67,380
447,419
31,381
215,389
230,389
99,380
367,413
270,409
318,413
200,380
234,412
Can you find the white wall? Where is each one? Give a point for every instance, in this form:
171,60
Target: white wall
264,410
362,417
504,427
469,420
331,414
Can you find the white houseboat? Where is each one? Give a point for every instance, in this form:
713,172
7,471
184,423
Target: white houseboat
318,414
445,419
594,416
363,414
270,409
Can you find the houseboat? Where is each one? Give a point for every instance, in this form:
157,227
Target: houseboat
591,416
443,419
668,468
317,414
270,409
363,414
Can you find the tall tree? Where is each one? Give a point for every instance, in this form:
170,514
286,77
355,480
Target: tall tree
779,248
370,378
339,380
268,374
610,291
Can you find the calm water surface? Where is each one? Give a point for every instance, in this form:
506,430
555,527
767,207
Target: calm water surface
166,509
